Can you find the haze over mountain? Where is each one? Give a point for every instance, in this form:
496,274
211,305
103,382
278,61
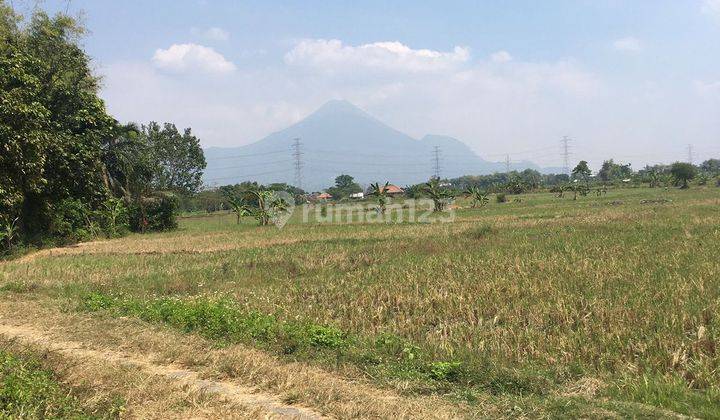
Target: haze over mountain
339,138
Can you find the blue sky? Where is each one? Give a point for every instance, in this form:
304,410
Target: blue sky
635,80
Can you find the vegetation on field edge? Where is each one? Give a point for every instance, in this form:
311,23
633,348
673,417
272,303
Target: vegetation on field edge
29,391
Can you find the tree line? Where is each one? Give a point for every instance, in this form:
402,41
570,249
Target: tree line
68,170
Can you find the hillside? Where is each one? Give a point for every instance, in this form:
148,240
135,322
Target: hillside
341,138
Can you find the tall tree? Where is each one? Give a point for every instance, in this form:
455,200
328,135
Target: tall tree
683,173
344,186
582,171
179,158
51,120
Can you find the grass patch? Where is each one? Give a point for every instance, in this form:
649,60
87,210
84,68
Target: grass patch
386,357
480,232
29,391
512,304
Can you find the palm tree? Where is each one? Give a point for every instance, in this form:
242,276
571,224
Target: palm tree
381,194
479,197
439,195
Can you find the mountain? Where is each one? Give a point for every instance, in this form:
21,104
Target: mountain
341,138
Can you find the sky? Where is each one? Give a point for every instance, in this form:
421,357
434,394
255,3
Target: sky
633,80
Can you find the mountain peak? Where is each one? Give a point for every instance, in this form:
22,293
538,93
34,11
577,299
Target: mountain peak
339,107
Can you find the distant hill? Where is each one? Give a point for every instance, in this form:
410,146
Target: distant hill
341,138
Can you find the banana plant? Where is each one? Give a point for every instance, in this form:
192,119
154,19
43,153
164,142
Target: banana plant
439,195
381,193
8,232
479,197
239,207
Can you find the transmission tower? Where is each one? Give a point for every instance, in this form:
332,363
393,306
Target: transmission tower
690,153
297,155
566,154
507,163
436,161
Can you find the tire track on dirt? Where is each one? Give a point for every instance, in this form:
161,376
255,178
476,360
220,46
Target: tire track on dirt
229,391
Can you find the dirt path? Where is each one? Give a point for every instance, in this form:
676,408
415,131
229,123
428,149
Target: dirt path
185,378
160,372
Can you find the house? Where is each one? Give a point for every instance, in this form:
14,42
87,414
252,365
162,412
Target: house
324,196
357,196
393,190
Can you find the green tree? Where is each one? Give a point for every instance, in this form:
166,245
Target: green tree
179,158
683,173
711,167
611,171
582,172
344,186
51,121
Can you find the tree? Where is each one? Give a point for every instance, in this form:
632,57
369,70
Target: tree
711,167
438,194
381,193
51,121
531,178
345,185
611,171
582,172
515,184
683,173
179,158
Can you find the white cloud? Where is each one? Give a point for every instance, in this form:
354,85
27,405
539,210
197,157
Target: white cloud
213,34
500,57
517,105
711,8
192,57
628,44
707,88
332,55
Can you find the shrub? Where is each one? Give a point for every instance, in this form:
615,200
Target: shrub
8,233
445,371
113,218
70,221
501,198
155,213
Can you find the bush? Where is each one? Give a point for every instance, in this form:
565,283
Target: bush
71,221
113,218
153,214
501,198
445,371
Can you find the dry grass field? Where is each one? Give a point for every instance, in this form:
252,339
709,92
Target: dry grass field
543,307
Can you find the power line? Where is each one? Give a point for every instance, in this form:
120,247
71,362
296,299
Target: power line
252,164
690,153
248,175
507,164
274,152
297,154
566,154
